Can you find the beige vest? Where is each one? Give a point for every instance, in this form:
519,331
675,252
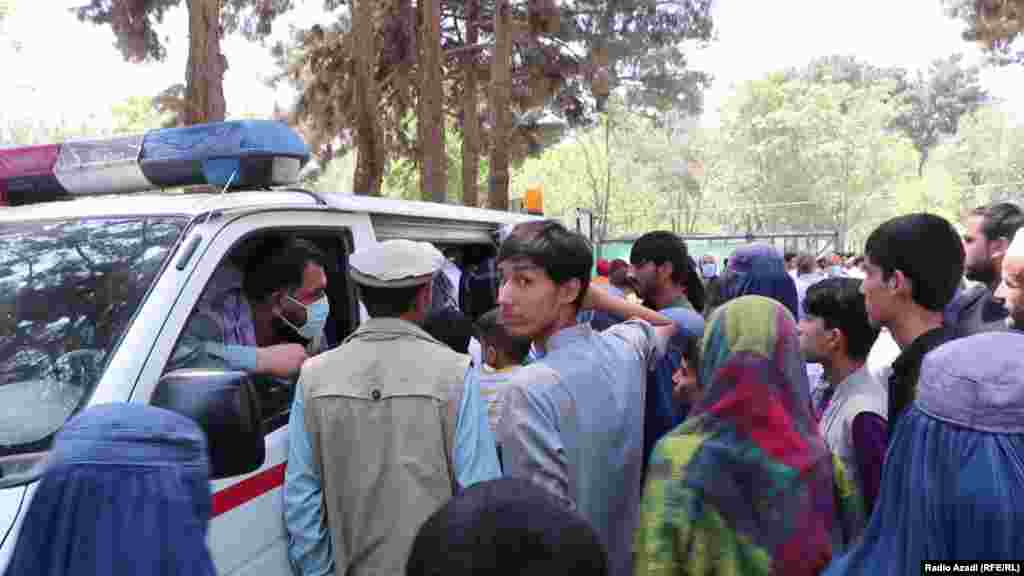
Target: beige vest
381,411
860,392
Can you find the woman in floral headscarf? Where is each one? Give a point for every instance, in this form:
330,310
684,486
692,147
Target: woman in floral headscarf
746,485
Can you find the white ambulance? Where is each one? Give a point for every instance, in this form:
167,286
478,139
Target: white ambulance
100,271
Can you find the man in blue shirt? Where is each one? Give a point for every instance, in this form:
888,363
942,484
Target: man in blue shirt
573,419
667,279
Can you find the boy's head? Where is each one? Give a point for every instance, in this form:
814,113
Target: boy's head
686,386
545,273
916,259
499,348
835,322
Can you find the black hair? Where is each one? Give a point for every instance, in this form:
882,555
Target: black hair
1001,220
284,269
562,254
506,526
389,302
929,252
789,255
490,331
663,246
840,305
451,327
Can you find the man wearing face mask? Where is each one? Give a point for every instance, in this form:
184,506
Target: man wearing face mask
271,327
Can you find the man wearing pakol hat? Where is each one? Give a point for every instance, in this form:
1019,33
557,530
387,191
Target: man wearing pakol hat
1011,288
385,428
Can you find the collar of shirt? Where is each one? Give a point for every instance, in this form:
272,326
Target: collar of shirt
681,302
912,356
488,369
565,337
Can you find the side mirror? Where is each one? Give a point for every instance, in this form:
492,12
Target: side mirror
226,407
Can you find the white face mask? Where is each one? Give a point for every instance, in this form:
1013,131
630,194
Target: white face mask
316,317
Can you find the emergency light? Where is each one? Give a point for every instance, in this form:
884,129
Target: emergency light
237,154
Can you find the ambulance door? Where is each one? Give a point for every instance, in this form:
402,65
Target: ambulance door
247,533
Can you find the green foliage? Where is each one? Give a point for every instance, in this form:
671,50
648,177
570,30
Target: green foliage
402,177
819,148
137,114
936,100
984,161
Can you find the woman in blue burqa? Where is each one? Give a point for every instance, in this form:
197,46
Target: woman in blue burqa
756,270
953,481
126,492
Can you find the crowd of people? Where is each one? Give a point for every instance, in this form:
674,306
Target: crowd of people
780,414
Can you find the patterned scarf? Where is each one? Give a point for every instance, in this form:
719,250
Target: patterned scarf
746,484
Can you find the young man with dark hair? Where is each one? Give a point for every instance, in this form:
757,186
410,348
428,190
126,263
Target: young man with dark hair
851,404
574,424
385,428
666,280
664,273
913,266
989,232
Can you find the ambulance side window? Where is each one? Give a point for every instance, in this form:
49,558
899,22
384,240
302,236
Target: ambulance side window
227,312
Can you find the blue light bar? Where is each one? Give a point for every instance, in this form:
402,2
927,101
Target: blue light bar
246,153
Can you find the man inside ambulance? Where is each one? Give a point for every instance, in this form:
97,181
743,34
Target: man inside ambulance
266,324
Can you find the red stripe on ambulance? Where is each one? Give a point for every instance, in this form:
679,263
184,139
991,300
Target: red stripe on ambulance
252,487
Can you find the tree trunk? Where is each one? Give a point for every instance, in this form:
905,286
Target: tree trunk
369,152
470,113
608,174
433,173
501,88
204,77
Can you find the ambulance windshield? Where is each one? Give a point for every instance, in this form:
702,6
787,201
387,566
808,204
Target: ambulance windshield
68,290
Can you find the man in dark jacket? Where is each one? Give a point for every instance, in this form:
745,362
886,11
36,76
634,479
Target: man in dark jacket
989,232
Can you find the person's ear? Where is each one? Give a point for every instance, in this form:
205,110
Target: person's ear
424,299
998,247
276,300
569,292
665,271
836,339
899,283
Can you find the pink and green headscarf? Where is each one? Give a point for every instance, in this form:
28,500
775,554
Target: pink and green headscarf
746,485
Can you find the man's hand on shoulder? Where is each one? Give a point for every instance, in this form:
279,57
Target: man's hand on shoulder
280,360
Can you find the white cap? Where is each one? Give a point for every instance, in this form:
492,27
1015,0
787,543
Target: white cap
1016,246
395,264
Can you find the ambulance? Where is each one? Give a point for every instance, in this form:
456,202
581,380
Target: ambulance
102,260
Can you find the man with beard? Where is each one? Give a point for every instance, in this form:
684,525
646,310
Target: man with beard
989,232
666,278
268,329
